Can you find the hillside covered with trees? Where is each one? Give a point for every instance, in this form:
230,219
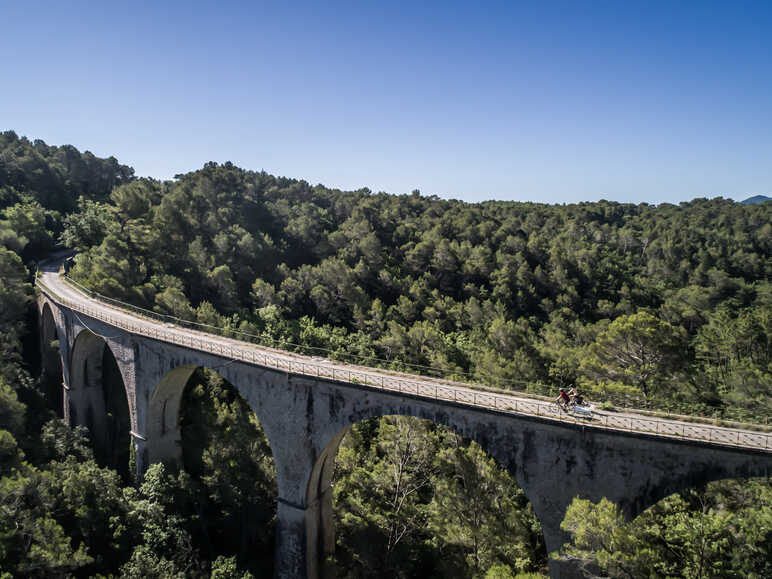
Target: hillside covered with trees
664,307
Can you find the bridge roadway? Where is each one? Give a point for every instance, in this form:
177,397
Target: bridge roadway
306,405
54,284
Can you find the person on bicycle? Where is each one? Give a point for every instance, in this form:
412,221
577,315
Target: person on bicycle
577,398
563,399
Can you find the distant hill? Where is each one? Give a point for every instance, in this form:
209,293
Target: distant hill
755,199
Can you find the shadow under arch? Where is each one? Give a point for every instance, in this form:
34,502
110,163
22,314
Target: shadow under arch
51,362
97,399
200,423
320,519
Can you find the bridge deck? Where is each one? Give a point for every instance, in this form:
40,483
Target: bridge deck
58,290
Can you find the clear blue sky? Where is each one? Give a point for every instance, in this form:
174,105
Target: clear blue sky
547,101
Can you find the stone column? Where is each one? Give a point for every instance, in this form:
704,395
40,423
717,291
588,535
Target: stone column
549,502
297,517
139,444
291,542
66,403
304,460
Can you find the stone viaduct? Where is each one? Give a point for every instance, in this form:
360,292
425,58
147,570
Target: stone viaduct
305,417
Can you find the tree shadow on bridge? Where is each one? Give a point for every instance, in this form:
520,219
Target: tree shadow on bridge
415,499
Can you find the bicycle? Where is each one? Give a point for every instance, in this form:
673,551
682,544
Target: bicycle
583,410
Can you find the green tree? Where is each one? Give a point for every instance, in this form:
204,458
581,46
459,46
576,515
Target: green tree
166,548
719,531
229,479
480,513
639,350
88,226
15,297
383,498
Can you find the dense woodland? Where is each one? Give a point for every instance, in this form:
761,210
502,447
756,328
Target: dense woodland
664,307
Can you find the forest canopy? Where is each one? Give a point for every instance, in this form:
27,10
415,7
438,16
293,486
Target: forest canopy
657,306
653,306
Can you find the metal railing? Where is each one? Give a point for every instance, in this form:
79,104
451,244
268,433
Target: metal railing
478,379
423,387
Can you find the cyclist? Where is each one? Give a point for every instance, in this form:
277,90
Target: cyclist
563,399
574,397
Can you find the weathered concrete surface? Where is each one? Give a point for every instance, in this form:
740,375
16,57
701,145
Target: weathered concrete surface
305,418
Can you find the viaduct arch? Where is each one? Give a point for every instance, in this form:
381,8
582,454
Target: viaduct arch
50,361
305,417
97,399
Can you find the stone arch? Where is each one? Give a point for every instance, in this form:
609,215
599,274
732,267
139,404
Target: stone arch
162,427
175,438
97,398
51,367
320,532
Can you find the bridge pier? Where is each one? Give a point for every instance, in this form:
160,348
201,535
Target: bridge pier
304,539
305,535
141,462
291,561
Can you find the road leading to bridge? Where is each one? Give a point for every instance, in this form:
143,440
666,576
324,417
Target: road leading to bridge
54,285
